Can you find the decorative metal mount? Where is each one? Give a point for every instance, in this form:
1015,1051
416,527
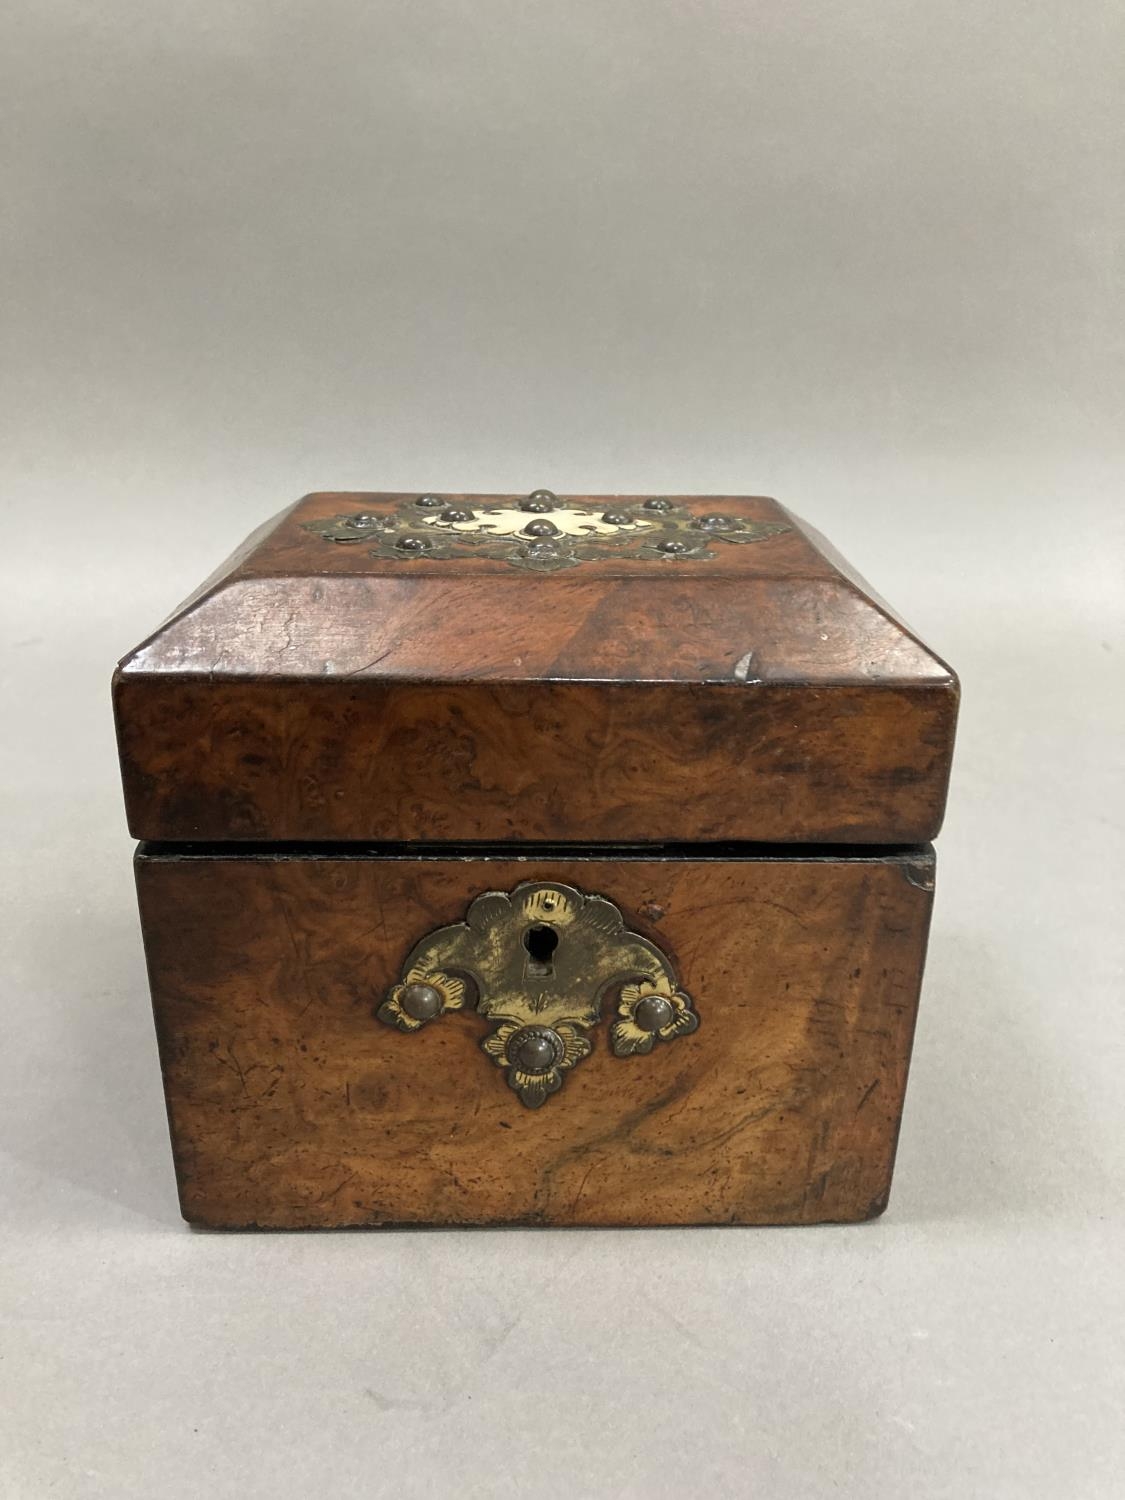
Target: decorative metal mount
542,960
542,532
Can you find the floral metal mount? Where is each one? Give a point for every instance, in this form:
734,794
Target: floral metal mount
542,959
542,532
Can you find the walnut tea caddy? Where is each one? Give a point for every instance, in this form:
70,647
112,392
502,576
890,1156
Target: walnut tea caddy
534,860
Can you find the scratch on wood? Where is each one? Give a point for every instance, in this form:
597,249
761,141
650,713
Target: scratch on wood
297,955
339,1188
374,662
582,1185
234,1065
868,1091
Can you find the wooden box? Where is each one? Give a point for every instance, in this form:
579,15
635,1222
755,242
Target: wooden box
534,861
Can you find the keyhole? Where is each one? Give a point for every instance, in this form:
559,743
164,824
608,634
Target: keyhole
540,943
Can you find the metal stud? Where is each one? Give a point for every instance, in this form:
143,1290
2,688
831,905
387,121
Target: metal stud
421,1002
658,504
716,523
653,1013
430,502
541,528
535,1049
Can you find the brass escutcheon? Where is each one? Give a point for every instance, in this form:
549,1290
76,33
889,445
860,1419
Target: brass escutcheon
542,959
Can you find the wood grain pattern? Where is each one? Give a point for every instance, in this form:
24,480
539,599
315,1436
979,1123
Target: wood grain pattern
534,762
312,692
291,1106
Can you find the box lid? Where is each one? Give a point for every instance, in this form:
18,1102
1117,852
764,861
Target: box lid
478,668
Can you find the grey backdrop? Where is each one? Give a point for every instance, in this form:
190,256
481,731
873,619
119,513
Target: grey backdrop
864,256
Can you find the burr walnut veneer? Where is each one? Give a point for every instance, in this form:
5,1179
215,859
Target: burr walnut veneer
534,860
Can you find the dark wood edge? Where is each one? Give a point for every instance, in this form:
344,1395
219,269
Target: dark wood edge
920,857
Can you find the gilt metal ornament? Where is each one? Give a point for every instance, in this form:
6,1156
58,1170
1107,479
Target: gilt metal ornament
542,532
538,963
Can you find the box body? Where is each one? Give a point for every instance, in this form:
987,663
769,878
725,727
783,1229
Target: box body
495,874
290,1105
